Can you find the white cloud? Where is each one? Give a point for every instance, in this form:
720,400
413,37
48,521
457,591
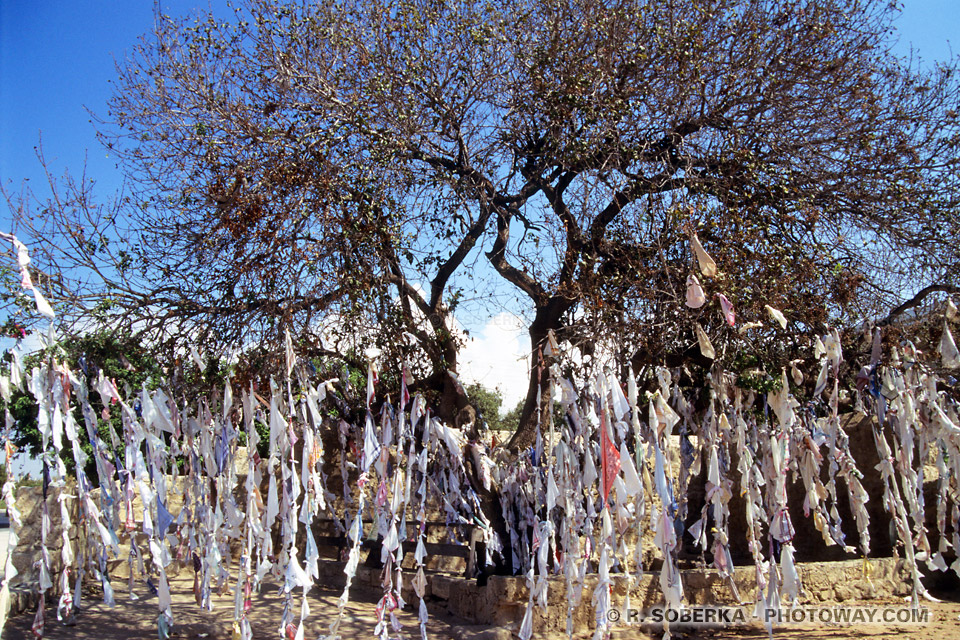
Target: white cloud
498,358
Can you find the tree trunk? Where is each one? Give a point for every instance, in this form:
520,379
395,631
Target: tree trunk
547,317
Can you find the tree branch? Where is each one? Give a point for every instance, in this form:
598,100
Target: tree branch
916,300
497,257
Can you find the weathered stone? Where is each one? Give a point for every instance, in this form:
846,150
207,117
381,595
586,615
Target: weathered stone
504,600
440,586
481,632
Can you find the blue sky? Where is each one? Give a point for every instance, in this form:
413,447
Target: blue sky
57,60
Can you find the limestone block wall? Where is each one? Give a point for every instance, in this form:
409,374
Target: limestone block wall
28,552
503,601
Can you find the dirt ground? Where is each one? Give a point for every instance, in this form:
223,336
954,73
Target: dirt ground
944,625
137,619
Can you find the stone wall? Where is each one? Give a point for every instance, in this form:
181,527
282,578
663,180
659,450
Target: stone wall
503,601
27,554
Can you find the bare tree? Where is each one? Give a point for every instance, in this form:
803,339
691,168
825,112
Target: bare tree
371,160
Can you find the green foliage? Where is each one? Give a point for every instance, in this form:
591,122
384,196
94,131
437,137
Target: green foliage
487,403
759,381
263,443
26,435
511,421
120,358
752,374
27,481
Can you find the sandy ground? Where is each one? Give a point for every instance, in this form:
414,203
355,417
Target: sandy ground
137,619
944,624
